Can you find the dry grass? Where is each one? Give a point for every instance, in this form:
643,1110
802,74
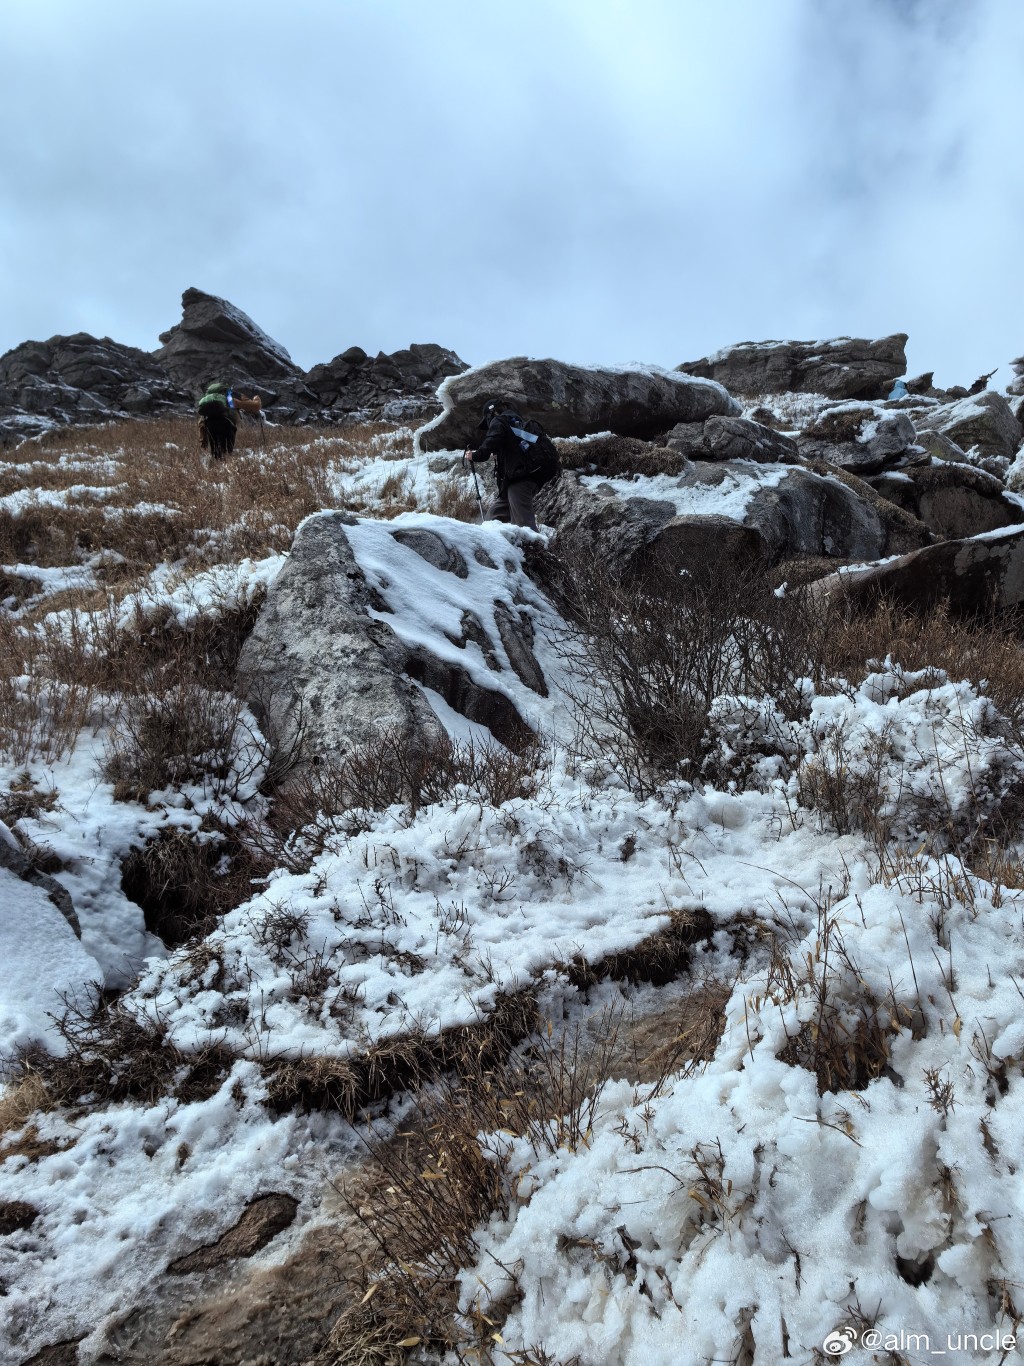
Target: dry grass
428,1191
112,1057
659,958
315,802
454,495
847,1040
989,654
615,456
19,1102
145,491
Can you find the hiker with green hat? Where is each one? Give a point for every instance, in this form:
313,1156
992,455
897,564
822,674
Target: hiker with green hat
218,420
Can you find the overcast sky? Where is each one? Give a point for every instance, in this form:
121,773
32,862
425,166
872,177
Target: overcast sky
597,180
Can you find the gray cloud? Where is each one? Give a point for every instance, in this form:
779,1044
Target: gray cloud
548,176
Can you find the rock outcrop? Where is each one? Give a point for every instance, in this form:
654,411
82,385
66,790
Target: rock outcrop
983,420
573,400
397,386
952,499
973,577
861,440
716,514
216,340
80,379
16,861
85,380
846,367
732,438
326,671
321,674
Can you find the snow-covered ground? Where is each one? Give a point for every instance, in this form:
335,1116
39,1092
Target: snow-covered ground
751,1209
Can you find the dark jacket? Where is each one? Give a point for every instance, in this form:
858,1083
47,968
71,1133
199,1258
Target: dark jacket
512,465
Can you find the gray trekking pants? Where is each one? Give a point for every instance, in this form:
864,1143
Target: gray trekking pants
515,505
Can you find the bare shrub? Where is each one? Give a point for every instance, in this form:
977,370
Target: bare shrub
112,1056
184,734
846,1041
316,800
660,648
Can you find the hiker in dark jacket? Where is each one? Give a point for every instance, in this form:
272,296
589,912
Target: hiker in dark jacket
218,417
516,490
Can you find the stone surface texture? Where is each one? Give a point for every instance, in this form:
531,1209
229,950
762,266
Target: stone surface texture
846,367
573,400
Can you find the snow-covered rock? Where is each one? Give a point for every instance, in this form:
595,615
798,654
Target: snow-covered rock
573,400
845,367
397,626
983,420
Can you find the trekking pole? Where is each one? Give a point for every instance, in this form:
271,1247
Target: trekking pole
476,485
263,430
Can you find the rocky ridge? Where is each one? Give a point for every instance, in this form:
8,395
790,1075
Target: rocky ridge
83,379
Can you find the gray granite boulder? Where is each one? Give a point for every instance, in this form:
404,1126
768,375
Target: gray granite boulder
861,439
846,367
983,420
325,672
941,447
737,438
974,577
717,513
954,500
1016,385
573,400
814,513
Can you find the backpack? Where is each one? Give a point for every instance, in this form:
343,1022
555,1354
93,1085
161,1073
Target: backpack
535,455
215,400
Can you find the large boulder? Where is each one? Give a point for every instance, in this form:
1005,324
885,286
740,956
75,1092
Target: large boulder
953,499
81,379
983,420
573,400
1016,385
847,367
721,513
737,438
973,577
323,675
401,384
860,439
386,626
820,513
216,340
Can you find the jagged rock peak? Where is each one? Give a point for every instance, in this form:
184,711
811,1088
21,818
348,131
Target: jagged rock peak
845,367
214,338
